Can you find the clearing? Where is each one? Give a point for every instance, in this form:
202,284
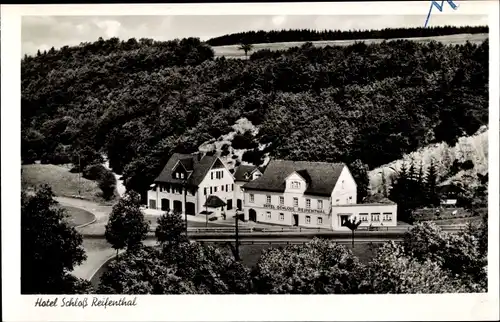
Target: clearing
232,51
78,217
63,182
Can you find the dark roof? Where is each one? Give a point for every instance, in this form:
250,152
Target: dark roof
242,170
321,176
198,168
214,202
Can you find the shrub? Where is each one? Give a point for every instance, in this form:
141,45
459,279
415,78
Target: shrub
94,171
243,141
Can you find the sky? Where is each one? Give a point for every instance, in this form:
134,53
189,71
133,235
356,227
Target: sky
43,32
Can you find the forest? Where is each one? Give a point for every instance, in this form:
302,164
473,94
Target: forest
138,101
273,36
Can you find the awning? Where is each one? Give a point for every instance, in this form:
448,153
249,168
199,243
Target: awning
214,202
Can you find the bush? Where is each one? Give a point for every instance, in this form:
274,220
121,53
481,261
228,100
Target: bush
225,150
255,157
94,172
243,141
107,183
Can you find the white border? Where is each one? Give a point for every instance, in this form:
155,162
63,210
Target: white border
235,308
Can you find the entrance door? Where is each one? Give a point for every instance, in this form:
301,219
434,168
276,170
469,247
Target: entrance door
190,208
177,206
152,204
229,204
165,204
295,220
238,204
343,220
252,215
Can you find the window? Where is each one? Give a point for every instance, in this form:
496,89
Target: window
320,204
205,191
363,217
376,216
268,215
295,185
308,203
268,199
232,187
308,219
387,216
182,175
211,175
282,216
210,190
320,221
222,174
177,175
295,202
222,188
227,187
282,200
252,197
161,188
215,189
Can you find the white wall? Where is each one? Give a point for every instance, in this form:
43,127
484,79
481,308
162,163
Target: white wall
369,209
227,179
345,191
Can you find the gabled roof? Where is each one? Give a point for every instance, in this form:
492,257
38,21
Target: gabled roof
199,168
242,170
322,176
214,202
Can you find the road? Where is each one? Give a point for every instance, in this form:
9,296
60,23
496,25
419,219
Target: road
99,251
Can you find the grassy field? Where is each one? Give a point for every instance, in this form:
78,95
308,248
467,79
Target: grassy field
77,216
233,52
63,182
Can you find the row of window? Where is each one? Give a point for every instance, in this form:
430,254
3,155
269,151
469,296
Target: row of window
218,174
216,188
175,189
282,218
319,203
386,216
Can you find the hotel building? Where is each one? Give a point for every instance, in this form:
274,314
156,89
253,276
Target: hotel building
310,194
289,193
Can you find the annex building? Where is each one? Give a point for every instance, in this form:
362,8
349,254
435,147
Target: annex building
288,193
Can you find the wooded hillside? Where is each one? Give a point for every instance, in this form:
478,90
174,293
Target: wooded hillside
140,101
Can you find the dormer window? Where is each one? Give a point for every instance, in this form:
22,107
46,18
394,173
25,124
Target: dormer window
177,175
182,175
295,185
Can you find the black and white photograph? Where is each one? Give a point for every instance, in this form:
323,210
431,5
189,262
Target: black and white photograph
254,154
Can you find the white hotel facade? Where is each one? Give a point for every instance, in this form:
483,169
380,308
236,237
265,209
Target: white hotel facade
287,193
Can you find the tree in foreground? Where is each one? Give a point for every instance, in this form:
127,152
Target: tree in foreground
461,256
394,271
171,229
126,227
50,248
186,268
317,267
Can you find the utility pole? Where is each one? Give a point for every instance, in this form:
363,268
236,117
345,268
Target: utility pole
237,248
206,212
185,212
79,175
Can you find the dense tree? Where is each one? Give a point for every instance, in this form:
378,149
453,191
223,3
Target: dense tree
461,256
359,171
367,102
171,229
317,267
393,271
50,248
185,268
431,185
126,227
